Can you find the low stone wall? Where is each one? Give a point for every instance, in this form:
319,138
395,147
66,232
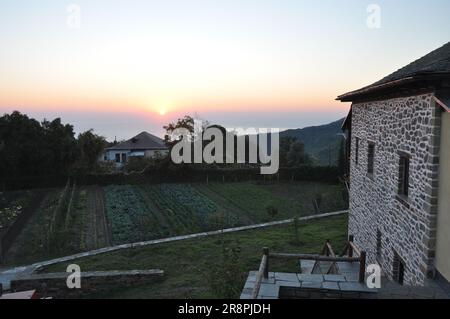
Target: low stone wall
55,284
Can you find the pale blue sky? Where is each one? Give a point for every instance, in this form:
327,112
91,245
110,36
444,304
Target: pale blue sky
283,61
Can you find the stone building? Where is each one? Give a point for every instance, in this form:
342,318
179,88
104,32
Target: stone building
399,169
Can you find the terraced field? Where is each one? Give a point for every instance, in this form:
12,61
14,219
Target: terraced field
76,219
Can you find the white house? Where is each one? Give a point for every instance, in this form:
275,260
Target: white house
142,145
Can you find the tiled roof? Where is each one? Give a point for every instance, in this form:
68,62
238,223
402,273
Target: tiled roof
435,63
142,141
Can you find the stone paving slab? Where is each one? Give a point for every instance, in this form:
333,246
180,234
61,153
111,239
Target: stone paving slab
310,278
269,290
286,276
334,278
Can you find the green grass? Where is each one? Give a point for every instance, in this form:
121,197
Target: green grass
291,199
188,264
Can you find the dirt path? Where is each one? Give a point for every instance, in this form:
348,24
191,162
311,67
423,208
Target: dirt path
97,233
19,240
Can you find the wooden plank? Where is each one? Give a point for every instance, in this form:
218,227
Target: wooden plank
355,249
259,277
313,257
362,267
330,249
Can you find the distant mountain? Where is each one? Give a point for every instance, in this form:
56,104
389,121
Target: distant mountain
321,142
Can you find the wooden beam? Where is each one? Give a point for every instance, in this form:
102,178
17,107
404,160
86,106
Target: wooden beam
262,272
313,257
362,267
330,250
355,249
442,104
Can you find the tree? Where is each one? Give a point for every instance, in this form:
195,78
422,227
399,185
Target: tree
285,145
341,159
60,145
90,147
187,122
31,148
296,155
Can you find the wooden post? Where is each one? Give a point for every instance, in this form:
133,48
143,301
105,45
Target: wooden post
362,267
327,251
266,268
350,248
1,251
207,179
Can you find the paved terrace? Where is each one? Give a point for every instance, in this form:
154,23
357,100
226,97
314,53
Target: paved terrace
280,285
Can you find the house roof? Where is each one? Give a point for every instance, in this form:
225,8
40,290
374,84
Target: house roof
434,65
142,141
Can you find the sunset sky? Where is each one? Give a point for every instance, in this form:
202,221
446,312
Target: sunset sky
134,65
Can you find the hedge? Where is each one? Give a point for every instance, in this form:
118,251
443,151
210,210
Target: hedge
180,175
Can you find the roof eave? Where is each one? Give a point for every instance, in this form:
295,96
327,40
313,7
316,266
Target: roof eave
364,92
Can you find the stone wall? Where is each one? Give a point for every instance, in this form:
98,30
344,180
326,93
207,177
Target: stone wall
55,284
408,125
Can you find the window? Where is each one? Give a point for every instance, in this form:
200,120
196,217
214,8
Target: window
124,157
379,236
403,179
117,158
357,150
370,158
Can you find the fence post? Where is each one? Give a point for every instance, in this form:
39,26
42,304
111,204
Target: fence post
327,250
266,267
350,247
362,267
1,250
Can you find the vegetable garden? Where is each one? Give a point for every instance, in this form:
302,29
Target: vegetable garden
80,218
144,212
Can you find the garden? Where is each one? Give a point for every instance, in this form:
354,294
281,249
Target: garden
150,211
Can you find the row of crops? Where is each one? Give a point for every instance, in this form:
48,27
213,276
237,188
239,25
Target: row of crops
146,212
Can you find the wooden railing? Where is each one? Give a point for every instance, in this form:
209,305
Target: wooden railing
351,254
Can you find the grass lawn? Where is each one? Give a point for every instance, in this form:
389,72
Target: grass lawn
190,265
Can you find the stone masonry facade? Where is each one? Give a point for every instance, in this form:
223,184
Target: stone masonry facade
407,225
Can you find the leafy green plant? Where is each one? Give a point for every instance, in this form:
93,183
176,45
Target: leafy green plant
225,277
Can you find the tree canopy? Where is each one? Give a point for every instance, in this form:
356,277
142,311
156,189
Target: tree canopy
31,148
